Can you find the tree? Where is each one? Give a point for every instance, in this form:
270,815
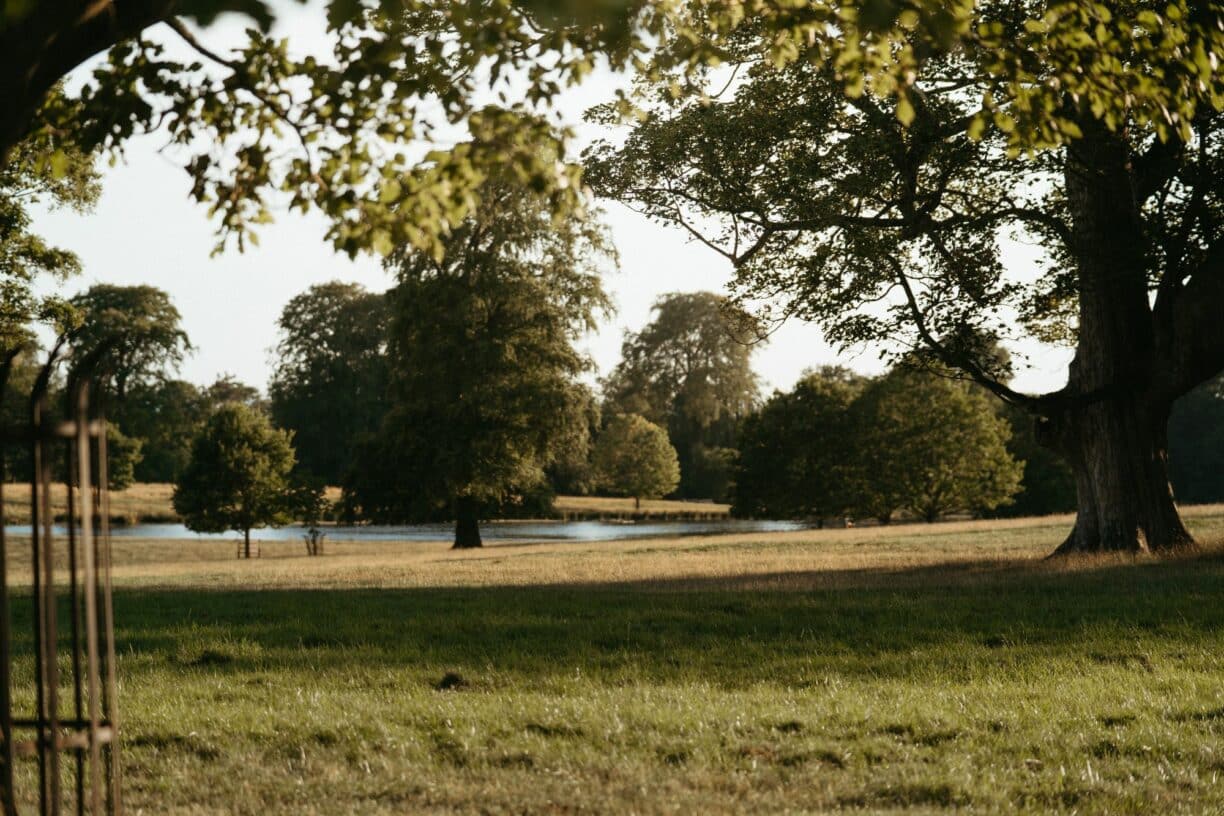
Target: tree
140,329
330,381
633,457
123,455
238,476
880,216
929,445
570,472
228,390
690,371
798,452
25,257
483,367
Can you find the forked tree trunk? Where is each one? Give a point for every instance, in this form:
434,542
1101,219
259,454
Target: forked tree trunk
1112,422
467,523
1118,453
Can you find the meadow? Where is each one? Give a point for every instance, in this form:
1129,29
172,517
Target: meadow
916,669
151,504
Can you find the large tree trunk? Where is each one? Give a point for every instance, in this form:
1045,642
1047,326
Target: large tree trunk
467,523
1111,420
1117,451
246,542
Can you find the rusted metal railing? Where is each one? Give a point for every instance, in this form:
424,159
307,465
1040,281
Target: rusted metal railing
75,742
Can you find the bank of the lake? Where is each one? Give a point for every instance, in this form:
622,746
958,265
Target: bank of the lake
151,504
518,531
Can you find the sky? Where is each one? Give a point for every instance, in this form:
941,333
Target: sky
145,230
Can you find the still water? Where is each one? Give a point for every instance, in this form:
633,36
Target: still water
491,531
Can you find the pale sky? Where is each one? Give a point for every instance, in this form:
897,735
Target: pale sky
145,230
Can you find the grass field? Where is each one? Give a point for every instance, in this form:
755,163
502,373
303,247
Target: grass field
150,503
139,503
910,669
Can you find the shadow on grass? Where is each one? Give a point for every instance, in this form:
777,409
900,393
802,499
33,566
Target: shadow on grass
793,629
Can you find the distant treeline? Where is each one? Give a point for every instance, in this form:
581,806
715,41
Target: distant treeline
679,415
914,441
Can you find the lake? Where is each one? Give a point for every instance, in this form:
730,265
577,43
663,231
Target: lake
491,531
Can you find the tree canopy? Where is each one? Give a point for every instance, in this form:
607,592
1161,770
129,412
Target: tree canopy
28,178
165,415
238,476
138,329
797,453
931,446
483,365
843,445
330,379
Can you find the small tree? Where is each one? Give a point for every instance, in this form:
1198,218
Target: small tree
633,457
238,476
932,446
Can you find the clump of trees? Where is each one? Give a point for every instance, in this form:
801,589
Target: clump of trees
841,445
238,476
329,384
689,370
798,453
633,457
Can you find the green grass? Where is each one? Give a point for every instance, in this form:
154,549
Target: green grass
919,669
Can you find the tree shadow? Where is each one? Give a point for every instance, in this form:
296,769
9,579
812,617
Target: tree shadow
786,628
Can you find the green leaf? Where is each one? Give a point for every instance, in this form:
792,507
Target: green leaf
905,110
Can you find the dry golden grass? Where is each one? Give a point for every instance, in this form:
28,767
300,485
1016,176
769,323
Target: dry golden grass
614,506
811,559
150,503
139,503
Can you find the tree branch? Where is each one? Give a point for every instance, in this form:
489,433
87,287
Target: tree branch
1156,167
958,361
240,72
42,47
